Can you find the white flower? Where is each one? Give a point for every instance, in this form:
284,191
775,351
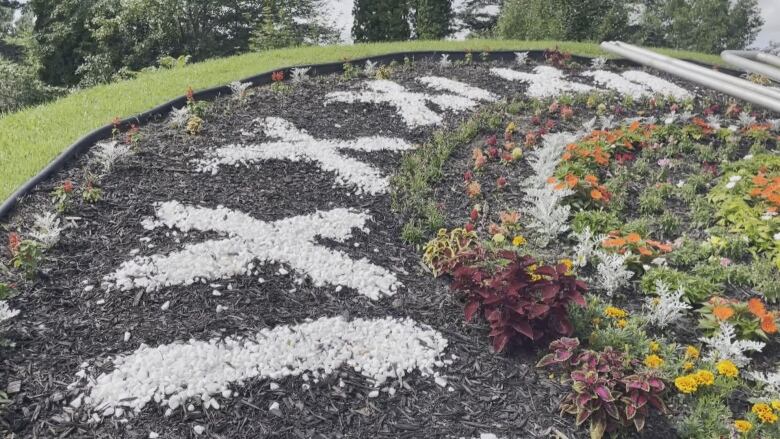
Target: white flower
724,346
777,236
300,74
521,57
748,157
667,307
612,273
735,178
730,185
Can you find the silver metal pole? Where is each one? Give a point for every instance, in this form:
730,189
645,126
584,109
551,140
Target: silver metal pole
718,81
739,82
745,60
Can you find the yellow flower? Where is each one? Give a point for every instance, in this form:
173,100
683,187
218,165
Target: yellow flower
776,404
518,241
692,352
653,361
655,346
686,384
615,313
704,377
727,368
687,365
568,263
622,323
764,413
743,426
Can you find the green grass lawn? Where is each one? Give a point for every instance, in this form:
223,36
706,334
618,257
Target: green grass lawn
30,139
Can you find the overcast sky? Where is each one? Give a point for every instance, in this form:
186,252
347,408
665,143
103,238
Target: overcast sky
770,9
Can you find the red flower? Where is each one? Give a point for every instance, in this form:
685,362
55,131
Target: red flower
469,227
14,241
67,186
492,152
277,76
492,141
468,176
474,215
536,120
501,182
567,112
549,125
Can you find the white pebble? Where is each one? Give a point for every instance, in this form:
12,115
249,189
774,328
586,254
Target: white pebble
127,336
166,305
199,429
373,393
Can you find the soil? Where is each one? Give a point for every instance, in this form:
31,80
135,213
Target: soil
61,324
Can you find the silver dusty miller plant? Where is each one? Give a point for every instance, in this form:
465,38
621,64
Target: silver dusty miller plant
547,216
46,229
612,272
300,74
521,57
444,61
724,345
179,117
239,90
667,308
587,246
544,160
598,63
107,154
769,382
370,68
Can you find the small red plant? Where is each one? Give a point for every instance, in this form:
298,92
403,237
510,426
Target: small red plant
277,76
14,242
468,176
190,95
491,141
557,58
474,215
67,186
606,388
501,182
567,112
521,299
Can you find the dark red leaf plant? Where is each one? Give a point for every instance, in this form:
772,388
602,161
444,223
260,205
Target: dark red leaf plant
608,389
520,298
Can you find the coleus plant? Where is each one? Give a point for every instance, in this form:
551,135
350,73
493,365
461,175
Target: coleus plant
521,299
607,388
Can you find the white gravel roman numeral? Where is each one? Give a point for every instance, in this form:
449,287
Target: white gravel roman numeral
170,375
637,84
457,87
289,241
545,82
295,145
411,106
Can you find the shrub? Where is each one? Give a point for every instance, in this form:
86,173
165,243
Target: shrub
607,388
20,87
521,300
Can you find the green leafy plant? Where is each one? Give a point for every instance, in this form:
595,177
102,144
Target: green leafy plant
91,194
26,257
697,289
441,253
61,195
608,389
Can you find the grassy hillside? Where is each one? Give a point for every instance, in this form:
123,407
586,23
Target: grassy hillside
32,138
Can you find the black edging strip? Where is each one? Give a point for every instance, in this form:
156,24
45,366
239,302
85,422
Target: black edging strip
75,150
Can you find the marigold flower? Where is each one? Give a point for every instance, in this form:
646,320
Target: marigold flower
592,179
566,156
615,312
686,384
704,377
687,365
776,404
633,238
756,307
568,263
653,361
621,323
596,194
655,346
768,324
692,352
552,180
764,413
571,180
743,426
518,241
722,312
727,368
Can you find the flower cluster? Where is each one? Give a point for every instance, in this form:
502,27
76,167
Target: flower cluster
750,319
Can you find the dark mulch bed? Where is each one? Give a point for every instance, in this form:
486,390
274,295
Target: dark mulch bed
62,326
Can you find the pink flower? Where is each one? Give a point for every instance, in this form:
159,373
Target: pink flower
725,262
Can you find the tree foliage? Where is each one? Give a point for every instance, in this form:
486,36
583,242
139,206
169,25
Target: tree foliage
381,20
432,19
290,23
20,87
577,20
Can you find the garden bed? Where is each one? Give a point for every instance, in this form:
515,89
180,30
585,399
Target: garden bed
272,224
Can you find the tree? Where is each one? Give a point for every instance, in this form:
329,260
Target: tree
432,19
381,20
278,29
577,20
20,87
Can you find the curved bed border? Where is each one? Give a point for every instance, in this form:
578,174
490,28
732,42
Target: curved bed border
83,144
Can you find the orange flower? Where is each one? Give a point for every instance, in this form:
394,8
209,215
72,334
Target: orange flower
634,126
571,147
756,306
768,324
760,180
473,189
592,179
572,180
566,156
596,194
614,242
644,251
722,312
14,241
666,248
552,180
633,238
